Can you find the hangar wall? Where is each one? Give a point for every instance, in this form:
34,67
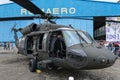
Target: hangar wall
13,10
60,8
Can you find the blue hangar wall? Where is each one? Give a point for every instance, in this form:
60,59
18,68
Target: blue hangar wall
59,8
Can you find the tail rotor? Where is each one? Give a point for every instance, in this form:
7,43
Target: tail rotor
13,29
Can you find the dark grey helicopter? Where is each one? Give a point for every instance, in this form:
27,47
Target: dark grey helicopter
54,46
62,46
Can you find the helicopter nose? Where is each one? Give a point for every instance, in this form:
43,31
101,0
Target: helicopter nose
99,58
106,61
103,60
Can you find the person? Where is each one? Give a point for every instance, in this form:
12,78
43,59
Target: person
101,42
11,45
5,46
106,44
110,46
119,52
116,45
52,42
8,46
59,46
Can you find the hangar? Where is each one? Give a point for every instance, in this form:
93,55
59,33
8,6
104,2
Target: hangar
82,8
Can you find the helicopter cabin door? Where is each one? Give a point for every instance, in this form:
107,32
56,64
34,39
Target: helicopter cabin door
22,46
28,45
57,46
41,45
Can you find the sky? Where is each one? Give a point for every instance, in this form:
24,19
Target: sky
7,1
4,1
107,0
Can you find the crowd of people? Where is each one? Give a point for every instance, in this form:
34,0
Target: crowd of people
7,45
112,46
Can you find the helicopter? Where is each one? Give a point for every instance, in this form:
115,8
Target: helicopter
53,46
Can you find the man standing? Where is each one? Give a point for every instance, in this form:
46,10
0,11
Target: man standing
5,46
116,45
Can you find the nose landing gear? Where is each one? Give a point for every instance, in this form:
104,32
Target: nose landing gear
32,65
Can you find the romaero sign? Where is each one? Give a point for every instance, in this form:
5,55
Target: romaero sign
55,11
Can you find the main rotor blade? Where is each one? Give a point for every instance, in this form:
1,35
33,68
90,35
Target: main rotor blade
29,6
81,18
17,18
53,17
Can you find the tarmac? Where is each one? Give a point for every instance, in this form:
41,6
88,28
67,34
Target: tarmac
14,66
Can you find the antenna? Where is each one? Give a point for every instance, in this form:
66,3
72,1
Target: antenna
70,26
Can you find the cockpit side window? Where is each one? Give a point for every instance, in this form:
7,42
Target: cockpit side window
87,38
71,38
40,41
29,45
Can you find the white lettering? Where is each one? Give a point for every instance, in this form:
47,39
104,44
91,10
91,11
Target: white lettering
72,10
48,10
55,10
64,11
23,12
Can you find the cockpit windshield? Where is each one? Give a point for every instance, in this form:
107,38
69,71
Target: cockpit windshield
86,36
73,37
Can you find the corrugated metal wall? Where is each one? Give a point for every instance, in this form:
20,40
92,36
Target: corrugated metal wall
57,7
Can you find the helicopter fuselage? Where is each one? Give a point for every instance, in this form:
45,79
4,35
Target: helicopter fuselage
78,50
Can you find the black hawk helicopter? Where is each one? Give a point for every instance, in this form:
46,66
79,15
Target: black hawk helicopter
54,45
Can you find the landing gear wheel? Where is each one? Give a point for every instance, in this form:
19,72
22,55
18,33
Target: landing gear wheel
32,65
51,66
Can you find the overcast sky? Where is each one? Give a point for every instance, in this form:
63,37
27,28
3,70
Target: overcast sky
7,1
107,0
4,1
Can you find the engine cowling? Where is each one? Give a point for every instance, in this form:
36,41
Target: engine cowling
30,28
